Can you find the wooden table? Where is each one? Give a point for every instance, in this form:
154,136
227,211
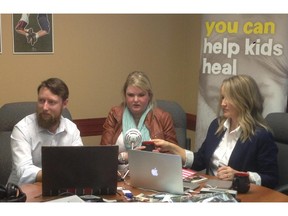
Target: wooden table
255,194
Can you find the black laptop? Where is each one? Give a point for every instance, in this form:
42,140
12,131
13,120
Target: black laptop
80,170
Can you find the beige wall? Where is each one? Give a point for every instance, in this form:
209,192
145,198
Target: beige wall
94,53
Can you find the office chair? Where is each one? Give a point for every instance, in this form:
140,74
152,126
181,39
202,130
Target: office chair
5,157
179,119
11,114
279,124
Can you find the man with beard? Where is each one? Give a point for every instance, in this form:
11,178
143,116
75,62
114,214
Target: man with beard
45,127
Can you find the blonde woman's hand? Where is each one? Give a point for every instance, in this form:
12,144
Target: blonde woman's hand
163,146
226,173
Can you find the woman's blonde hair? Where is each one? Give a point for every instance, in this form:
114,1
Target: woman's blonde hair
243,92
138,79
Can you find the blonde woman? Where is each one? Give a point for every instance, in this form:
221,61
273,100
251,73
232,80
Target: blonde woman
237,140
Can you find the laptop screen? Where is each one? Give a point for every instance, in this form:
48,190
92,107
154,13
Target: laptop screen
79,170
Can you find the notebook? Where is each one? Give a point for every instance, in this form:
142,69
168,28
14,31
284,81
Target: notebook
79,170
217,183
157,171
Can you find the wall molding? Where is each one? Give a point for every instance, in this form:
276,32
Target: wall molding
90,127
191,121
94,126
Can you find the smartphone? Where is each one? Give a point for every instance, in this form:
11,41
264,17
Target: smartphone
149,145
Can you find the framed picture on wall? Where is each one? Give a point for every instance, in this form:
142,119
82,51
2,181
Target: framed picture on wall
32,33
0,35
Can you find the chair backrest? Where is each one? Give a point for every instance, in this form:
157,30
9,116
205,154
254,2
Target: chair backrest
5,157
11,114
179,119
279,124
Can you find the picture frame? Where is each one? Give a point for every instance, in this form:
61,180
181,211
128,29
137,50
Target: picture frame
0,35
32,33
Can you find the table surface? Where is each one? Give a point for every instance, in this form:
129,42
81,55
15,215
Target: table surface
255,194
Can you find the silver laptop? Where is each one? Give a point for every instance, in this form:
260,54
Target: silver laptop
157,171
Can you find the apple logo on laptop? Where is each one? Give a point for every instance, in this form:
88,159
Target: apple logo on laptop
154,171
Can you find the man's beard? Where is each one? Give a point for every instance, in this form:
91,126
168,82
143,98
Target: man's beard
47,123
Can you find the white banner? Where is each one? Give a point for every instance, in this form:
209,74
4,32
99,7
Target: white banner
242,44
